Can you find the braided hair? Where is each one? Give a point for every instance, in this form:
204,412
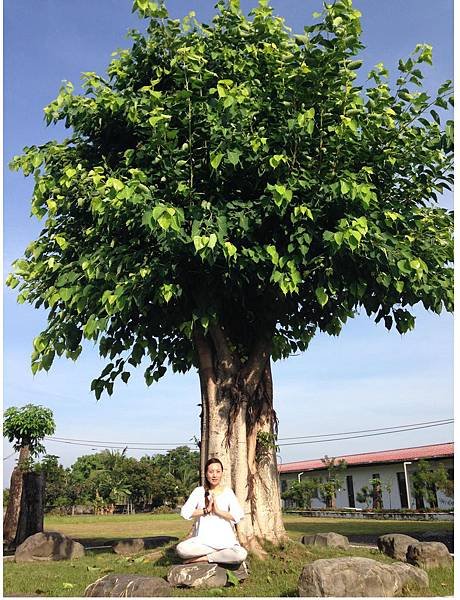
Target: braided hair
210,461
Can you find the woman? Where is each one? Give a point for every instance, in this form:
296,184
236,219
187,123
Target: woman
217,511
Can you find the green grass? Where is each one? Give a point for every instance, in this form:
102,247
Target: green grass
277,576
297,526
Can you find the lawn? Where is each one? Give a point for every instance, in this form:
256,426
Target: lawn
277,576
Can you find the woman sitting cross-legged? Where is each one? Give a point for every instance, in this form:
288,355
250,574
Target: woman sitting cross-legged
217,510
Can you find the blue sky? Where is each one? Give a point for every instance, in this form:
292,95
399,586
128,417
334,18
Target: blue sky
366,378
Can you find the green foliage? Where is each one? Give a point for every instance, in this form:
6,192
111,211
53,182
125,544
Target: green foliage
364,496
427,479
6,496
234,173
328,488
110,477
27,426
56,481
302,492
265,445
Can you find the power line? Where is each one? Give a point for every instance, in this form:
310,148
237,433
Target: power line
353,437
10,455
330,437
303,437
95,445
58,439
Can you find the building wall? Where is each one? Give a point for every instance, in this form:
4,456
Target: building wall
361,476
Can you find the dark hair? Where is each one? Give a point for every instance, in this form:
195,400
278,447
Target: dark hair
210,461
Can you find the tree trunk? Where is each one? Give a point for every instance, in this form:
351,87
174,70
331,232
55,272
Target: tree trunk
32,506
11,519
238,426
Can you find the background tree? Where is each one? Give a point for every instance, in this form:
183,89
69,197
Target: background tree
302,492
364,496
332,484
427,480
56,479
376,487
227,191
24,427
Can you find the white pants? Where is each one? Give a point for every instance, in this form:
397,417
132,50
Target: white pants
192,548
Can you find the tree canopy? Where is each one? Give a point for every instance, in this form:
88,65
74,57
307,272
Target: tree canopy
234,173
110,477
26,426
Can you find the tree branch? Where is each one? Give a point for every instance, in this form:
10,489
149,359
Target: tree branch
252,371
227,360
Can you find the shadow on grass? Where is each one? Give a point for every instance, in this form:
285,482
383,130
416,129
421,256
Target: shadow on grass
150,542
169,557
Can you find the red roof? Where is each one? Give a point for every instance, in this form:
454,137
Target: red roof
385,456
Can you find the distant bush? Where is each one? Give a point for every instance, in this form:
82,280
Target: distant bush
163,510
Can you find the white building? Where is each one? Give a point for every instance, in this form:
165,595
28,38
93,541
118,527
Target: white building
389,466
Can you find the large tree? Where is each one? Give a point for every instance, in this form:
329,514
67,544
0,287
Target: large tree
228,190
24,427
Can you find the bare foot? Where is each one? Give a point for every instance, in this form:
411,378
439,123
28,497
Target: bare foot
198,559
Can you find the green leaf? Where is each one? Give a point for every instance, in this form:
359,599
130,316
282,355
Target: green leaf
403,266
198,243
272,252
230,249
321,296
234,156
212,240
338,237
215,160
232,578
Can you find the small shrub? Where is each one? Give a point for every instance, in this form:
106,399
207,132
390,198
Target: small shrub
162,510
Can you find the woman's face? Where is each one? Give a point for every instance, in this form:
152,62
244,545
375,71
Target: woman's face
214,474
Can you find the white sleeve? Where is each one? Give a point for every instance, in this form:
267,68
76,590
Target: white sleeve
191,504
234,508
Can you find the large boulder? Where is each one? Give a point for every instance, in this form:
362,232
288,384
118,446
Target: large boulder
48,545
395,545
135,545
115,586
330,540
444,537
197,575
357,577
428,555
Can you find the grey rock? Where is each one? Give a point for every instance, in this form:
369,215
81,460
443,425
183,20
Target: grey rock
47,546
329,540
441,536
356,577
428,555
135,545
197,575
116,586
409,574
395,545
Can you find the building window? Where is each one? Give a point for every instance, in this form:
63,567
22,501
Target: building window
283,485
402,489
351,492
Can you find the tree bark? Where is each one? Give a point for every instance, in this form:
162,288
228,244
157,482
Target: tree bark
238,426
32,506
11,519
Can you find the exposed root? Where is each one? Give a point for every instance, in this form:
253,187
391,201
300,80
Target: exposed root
254,546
